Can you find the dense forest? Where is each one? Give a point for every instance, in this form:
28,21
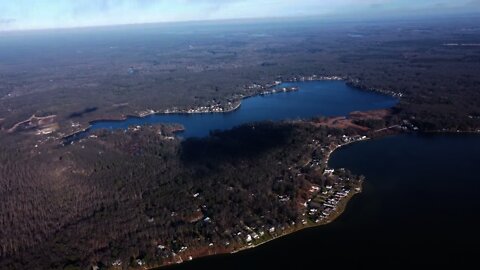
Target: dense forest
140,195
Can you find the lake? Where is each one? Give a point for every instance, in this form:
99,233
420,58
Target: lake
420,206
314,98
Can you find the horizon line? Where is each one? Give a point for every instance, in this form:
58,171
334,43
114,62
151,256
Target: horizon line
333,18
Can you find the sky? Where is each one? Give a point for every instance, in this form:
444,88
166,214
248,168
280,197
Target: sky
45,14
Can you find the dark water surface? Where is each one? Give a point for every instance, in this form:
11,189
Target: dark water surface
420,206
327,98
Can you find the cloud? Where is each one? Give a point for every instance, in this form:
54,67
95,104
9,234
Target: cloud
112,6
73,13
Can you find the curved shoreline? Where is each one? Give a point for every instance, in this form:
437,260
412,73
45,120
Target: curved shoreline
335,215
340,209
125,117
266,89
173,111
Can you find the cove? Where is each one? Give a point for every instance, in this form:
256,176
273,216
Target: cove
314,98
419,207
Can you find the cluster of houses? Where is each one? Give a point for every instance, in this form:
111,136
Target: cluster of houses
269,88
407,125
317,78
350,139
147,112
213,108
325,200
356,83
251,234
254,86
279,90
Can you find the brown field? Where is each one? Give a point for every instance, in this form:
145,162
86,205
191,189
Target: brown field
342,122
376,114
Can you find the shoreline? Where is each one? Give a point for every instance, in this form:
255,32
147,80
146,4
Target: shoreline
339,210
336,214
268,89
125,117
262,90
237,106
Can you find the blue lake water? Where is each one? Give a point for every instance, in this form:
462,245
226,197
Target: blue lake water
315,98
